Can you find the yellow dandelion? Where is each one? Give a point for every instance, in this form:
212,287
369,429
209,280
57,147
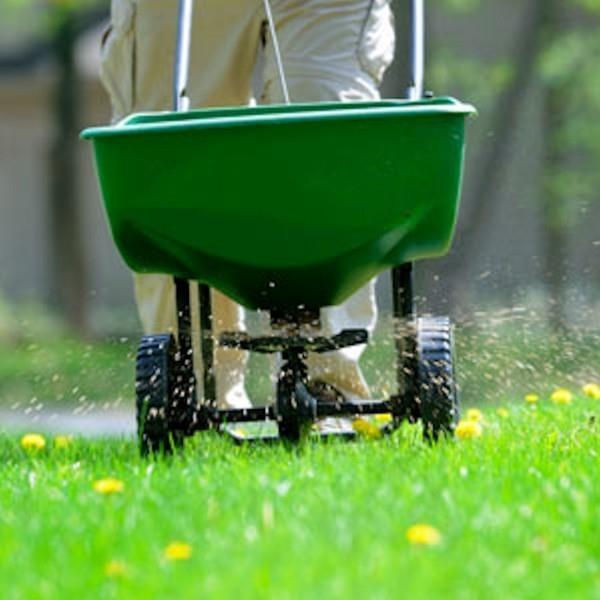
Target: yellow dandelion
532,398
366,429
33,442
466,430
383,419
591,390
115,569
474,414
178,551
422,534
62,441
561,396
503,413
108,486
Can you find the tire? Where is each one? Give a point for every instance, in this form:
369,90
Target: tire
165,395
435,392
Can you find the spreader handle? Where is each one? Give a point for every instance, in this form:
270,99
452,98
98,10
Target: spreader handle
181,102
417,50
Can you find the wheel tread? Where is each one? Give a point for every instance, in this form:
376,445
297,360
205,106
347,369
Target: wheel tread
436,388
162,418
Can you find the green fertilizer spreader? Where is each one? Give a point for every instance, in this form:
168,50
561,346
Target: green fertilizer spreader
286,208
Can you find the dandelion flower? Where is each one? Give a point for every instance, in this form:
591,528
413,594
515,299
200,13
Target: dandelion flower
115,569
503,413
423,535
561,396
62,441
474,414
591,390
383,418
366,429
178,551
532,398
109,485
33,442
466,430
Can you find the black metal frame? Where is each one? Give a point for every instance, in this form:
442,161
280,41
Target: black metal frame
209,387
423,347
296,409
405,322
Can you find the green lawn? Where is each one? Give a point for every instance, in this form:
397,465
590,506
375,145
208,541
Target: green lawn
60,370
518,510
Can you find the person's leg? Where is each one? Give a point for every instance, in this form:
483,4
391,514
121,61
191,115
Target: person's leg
137,70
334,50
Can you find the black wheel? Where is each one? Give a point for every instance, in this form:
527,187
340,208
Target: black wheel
435,390
165,394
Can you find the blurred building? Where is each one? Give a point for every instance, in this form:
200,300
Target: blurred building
27,77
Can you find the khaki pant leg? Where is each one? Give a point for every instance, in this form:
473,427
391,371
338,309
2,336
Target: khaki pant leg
334,50
137,70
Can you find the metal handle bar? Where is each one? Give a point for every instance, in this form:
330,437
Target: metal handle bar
417,50
181,101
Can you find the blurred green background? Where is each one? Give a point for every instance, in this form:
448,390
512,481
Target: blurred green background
522,279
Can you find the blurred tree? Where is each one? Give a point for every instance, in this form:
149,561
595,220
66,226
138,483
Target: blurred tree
554,199
571,82
555,49
67,246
